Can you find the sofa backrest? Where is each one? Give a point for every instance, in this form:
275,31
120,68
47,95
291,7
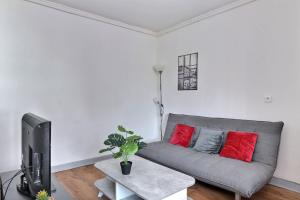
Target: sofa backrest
269,133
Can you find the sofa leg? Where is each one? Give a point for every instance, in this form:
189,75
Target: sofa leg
237,196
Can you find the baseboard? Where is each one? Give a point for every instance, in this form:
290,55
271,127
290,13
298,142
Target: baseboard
71,165
285,184
79,163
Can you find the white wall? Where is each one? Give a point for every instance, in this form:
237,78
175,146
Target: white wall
85,76
244,54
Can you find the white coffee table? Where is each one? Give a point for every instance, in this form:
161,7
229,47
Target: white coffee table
147,180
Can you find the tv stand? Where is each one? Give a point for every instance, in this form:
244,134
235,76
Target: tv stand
23,187
1,190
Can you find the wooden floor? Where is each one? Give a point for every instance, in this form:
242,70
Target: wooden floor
79,183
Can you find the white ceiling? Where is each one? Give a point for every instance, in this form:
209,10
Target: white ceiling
155,15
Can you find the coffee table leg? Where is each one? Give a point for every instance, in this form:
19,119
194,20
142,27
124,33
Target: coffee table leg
100,194
122,192
182,195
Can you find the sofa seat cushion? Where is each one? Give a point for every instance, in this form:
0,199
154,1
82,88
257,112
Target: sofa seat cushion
230,174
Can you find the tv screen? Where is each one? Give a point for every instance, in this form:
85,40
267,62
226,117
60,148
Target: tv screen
36,155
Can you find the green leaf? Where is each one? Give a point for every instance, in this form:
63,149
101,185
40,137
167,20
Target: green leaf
42,195
130,149
127,146
121,129
118,154
107,149
134,138
115,140
130,132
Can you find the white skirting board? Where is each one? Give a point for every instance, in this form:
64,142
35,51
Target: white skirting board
79,163
285,184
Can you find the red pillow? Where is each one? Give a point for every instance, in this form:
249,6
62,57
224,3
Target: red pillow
182,135
239,145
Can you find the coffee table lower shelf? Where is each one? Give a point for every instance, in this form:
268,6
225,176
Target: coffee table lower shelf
114,191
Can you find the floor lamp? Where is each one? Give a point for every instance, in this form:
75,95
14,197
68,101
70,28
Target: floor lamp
159,69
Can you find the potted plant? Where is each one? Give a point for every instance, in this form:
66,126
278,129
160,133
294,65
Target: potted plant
43,195
126,143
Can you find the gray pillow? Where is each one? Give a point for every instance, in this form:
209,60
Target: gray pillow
209,141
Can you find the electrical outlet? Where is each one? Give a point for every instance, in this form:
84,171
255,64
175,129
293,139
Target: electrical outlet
268,99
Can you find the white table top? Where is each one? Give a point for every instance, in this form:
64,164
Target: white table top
147,179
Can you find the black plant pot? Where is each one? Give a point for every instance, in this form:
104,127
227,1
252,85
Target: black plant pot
126,168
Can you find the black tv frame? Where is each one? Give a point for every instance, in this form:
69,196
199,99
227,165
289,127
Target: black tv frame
1,190
36,155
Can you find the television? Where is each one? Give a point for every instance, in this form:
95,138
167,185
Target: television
36,156
1,190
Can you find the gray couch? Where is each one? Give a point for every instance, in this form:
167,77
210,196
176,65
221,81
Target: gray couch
240,177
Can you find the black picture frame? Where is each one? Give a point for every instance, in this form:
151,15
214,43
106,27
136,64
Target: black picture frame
188,72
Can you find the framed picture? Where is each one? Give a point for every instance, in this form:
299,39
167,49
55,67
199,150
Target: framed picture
188,72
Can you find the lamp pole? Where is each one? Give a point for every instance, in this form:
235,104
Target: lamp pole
159,69
161,106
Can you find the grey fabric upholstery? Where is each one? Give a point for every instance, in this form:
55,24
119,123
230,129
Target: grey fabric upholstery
169,130
234,175
269,133
195,136
230,174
